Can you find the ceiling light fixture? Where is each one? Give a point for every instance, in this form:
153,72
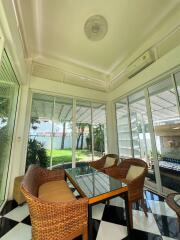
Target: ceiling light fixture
96,27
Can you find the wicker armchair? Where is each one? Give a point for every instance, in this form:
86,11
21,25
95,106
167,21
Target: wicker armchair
59,220
172,204
135,187
99,164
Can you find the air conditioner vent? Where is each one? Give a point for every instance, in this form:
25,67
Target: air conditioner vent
140,63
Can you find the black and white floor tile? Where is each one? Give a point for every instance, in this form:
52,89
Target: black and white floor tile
109,221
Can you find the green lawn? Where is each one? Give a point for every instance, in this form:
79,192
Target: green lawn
65,155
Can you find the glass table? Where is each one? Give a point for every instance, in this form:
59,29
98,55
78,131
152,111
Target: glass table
98,187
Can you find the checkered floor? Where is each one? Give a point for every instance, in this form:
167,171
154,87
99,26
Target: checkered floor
109,221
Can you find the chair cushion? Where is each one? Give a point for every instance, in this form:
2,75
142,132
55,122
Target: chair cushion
134,172
109,162
55,191
177,199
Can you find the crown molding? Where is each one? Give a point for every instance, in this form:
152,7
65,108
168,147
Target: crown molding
56,74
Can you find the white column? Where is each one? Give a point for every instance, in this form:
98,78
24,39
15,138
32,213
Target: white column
74,134
20,139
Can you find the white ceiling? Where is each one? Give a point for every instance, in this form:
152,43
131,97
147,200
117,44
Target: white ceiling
54,36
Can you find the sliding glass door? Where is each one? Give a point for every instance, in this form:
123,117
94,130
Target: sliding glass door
8,100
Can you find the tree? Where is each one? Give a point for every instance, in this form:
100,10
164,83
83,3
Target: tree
63,135
81,128
89,138
99,138
34,121
36,154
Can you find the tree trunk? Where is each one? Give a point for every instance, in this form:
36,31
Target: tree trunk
78,138
82,137
63,135
90,137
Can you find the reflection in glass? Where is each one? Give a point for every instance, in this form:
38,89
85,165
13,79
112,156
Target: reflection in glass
8,99
92,182
140,127
140,132
166,123
123,130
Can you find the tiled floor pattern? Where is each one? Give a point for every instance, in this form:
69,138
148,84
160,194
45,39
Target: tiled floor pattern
109,221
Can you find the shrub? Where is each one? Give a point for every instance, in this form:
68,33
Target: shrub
36,154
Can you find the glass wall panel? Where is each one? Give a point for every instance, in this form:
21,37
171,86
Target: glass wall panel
62,131
40,134
177,79
51,131
123,130
83,131
99,130
140,127
141,138
166,123
8,100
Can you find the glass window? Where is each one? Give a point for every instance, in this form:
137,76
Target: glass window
141,138
166,123
8,100
51,128
62,131
83,131
123,130
99,130
140,127
39,149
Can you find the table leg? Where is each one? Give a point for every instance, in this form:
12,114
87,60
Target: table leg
90,223
129,224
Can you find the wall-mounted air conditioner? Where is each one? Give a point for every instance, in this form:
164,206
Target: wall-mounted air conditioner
140,63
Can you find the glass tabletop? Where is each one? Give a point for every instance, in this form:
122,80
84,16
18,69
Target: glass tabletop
93,182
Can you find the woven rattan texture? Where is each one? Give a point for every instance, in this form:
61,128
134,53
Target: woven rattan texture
99,164
53,220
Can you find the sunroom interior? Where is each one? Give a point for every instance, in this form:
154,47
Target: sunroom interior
81,80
